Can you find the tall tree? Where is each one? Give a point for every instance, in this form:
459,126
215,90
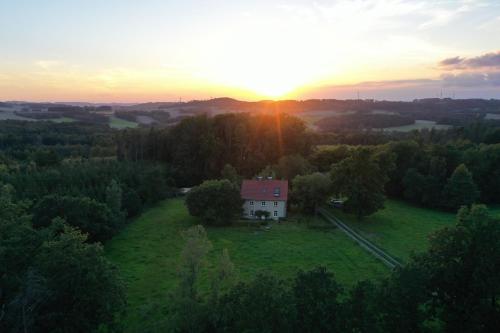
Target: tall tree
361,179
316,295
310,191
292,165
463,272
460,189
230,173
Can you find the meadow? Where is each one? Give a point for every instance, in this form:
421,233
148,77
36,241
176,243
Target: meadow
148,249
118,123
418,125
400,228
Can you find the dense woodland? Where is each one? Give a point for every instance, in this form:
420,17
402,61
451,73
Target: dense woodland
66,188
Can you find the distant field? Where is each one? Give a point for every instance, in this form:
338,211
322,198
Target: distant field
10,115
418,125
63,120
119,123
147,253
311,117
492,116
400,228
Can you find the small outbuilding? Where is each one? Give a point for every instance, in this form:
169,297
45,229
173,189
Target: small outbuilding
264,194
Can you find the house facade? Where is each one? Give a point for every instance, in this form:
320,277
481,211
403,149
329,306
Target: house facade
264,194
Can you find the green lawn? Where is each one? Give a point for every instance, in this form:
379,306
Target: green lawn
147,253
400,228
119,123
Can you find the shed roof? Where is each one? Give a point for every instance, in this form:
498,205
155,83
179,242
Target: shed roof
265,189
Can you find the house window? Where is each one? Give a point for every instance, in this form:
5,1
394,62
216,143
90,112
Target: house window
251,213
251,203
275,213
276,204
263,203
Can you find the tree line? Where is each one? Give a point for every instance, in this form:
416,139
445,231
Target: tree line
199,147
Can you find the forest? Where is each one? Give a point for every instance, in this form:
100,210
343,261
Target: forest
65,189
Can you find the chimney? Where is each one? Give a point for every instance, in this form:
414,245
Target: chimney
259,177
269,177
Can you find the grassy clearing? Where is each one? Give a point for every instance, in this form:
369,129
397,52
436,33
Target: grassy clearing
119,123
400,228
147,253
63,120
418,125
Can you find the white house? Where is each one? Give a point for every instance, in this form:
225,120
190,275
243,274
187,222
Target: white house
265,194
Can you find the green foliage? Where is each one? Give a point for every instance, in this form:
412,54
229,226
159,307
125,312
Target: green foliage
262,214
310,191
113,200
192,257
460,189
317,305
292,165
199,147
470,253
230,173
44,158
323,159
361,179
53,280
84,288
262,305
87,214
216,202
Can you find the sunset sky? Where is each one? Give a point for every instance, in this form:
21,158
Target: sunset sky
160,50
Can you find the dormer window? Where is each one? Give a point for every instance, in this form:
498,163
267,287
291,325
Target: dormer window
277,191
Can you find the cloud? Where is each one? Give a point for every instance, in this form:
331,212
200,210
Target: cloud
488,60
468,79
47,64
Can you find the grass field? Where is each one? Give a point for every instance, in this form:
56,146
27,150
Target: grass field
418,125
400,228
147,253
119,123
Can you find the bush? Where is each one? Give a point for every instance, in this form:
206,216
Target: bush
216,202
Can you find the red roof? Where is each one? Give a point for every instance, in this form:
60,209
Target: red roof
270,190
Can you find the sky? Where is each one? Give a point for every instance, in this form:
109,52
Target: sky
161,50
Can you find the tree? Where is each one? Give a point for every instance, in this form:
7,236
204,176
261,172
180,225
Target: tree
362,181
264,304
414,184
359,309
186,303
88,215
69,287
114,201
192,257
84,285
463,272
230,173
292,165
131,202
310,191
460,189
317,305
216,202
224,276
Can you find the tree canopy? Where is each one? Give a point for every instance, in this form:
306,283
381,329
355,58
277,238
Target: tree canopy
216,202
